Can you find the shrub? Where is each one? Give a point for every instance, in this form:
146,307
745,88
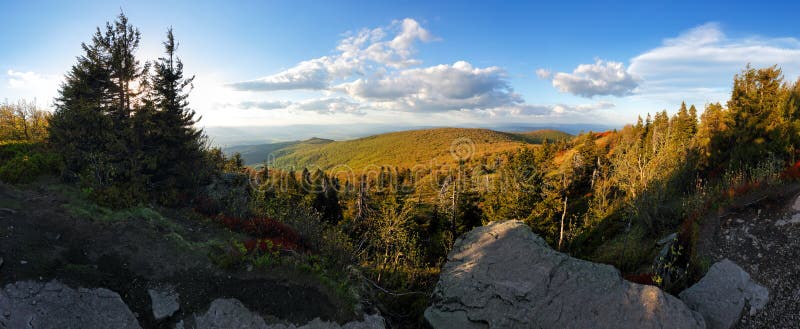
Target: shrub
22,162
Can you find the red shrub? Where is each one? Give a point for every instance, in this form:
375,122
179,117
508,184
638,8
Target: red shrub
263,229
792,172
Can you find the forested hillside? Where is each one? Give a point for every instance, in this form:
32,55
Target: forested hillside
397,149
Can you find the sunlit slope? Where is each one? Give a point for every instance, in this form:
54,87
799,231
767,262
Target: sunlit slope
551,135
405,149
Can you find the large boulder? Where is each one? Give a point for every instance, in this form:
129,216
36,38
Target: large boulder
164,301
504,276
232,314
30,304
723,293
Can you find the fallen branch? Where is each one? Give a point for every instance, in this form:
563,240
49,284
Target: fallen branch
391,293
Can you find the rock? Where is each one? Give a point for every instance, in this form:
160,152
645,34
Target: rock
668,239
504,276
54,305
228,313
794,220
8,211
796,204
164,302
231,313
723,293
1,262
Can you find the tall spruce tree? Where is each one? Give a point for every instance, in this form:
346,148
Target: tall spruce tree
179,146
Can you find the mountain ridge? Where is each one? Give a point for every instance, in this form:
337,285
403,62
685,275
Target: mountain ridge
401,148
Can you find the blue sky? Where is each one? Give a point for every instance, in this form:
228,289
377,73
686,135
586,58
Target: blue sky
271,63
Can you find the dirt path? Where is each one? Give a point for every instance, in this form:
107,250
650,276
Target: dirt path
39,240
765,241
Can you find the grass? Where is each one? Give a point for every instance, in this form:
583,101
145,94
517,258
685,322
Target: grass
191,245
78,205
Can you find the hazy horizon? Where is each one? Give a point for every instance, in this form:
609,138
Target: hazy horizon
254,135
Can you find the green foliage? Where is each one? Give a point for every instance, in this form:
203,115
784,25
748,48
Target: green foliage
23,121
22,162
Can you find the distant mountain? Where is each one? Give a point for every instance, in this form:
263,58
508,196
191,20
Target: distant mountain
259,153
257,135
436,146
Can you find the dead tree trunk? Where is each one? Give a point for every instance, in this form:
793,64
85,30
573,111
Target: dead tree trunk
563,216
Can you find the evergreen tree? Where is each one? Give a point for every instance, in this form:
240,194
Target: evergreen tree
180,146
759,123
91,125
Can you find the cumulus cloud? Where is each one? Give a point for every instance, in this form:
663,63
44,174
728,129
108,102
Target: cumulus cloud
544,74
30,85
698,64
436,88
600,78
391,46
17,79
375,71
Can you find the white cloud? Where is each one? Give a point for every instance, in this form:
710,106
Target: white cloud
374,73
30,85
698,65
356,55
544,74
264,105
600,78
556,109
334,105
436,88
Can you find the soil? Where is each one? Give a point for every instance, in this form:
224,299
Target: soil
757,236
40,240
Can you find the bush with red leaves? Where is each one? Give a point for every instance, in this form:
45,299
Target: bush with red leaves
279,235
792,172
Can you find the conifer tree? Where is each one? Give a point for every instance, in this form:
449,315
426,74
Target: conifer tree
91,125
180,145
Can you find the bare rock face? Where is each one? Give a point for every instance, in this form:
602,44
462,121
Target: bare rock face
228,313
723,293
30,304
504,276
164,301
231,314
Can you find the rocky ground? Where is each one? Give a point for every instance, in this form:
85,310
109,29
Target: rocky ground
763,237
41,241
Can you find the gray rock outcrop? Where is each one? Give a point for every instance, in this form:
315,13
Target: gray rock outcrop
723,293
504,276
232,314
164,301
30,304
